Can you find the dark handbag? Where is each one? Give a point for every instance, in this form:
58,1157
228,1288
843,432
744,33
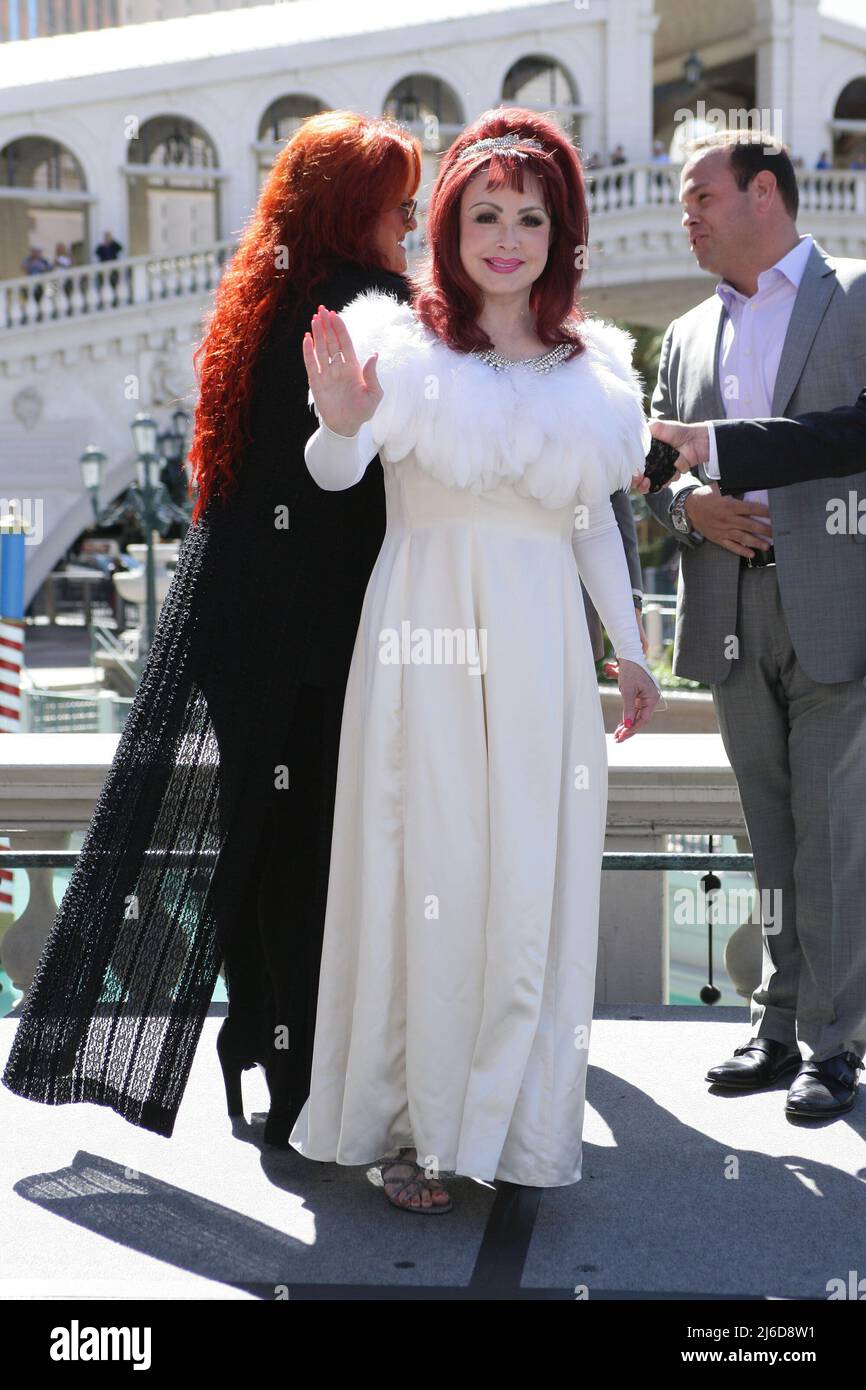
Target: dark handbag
660,464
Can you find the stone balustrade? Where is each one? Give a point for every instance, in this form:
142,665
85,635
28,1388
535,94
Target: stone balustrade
657,786
58,296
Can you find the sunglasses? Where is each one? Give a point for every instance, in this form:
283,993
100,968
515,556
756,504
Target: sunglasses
408,209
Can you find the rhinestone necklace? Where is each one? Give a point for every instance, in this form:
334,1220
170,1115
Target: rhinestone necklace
545,363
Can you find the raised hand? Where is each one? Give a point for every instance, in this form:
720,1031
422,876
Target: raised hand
345,395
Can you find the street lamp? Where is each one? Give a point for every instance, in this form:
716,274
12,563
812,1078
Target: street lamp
148,468
144,433
148,500
693,69
92,463
172,446
180,419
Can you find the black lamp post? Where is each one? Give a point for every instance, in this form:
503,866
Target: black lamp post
181,421
149,500
148,468
693,69
173,446
92,464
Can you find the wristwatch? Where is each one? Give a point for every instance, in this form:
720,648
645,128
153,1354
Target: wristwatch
678,516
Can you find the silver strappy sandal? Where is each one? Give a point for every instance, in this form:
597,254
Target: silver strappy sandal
415,1177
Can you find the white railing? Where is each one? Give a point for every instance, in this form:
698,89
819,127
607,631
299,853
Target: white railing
58,296
836,190
625,186
62,711
61,295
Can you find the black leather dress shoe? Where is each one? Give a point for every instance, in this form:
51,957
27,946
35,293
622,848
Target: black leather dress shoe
824,1088
758,1063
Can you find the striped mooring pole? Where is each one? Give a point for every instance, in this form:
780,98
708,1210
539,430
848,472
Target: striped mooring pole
11,657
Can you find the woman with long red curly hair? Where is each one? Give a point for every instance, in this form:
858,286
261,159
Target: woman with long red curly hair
321,208
458,967
330,222
211,836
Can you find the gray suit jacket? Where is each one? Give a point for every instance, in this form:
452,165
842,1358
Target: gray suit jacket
821,576
622,510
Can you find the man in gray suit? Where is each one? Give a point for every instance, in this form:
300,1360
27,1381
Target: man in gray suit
771,610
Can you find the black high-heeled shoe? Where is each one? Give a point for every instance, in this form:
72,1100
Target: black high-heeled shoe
288,1080
277,1130
234,1059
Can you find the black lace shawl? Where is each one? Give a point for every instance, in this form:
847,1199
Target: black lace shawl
123,985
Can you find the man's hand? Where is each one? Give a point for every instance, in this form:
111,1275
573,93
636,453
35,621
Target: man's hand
732,524
693,441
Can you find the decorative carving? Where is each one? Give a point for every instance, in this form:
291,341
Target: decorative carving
27,407
169,376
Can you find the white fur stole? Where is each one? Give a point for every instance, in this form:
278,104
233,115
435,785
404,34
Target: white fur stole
576,431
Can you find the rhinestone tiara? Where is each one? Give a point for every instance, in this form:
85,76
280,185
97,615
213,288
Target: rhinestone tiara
502,144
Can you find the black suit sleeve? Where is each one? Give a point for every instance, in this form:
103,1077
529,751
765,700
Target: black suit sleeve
776,452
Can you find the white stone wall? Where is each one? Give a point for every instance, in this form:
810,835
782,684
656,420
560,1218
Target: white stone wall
63,389
804,60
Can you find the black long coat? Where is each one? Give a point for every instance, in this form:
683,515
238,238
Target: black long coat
258,613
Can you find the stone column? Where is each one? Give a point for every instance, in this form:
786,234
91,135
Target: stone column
633,939
24,942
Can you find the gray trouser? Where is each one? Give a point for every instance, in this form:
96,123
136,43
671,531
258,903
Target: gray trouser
798,751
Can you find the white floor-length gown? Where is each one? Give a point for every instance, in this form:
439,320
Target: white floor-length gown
459,956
